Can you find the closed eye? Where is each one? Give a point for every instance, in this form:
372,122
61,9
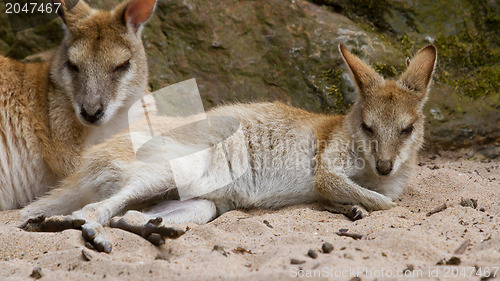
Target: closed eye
72,66
408,130
366,128
122,66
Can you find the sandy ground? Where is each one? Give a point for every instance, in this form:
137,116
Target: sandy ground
393,242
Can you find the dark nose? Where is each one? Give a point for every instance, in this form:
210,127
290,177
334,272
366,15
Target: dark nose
92,118
384,167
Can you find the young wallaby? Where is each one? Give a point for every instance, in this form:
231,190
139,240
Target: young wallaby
50,111
283,156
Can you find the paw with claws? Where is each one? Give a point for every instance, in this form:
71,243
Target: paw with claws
91,231
52,224
356,213
154,230
353,212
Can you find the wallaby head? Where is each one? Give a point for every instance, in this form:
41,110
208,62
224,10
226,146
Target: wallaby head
386,122
101,64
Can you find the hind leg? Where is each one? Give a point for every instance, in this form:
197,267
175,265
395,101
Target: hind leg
97,214
156,223
89,219
96,179
74,192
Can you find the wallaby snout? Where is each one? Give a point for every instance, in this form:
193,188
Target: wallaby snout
384,167
92,116
93,101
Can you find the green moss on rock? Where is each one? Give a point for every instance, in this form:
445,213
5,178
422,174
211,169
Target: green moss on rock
470,63
335,96
387,70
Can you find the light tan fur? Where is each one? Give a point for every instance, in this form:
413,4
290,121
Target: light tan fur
279,156
42,128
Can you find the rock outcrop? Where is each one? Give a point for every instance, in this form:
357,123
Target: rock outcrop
287,50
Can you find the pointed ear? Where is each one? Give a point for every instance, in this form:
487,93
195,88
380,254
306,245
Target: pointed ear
135,13
418,75
71,11
363,75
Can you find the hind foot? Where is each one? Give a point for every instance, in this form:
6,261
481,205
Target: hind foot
92,232
154,230
52,224
353,212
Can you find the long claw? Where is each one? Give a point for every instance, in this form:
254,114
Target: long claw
93,233
89,234
102,245
156,239
156,221
356,213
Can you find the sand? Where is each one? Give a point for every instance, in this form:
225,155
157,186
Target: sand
259,244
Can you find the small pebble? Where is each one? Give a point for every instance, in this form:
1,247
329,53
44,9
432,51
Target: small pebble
468,202
454,261
435,167
296,261
241,250
86,255
220,249
268,224
160,256
311,253
37,273
327,248
409,268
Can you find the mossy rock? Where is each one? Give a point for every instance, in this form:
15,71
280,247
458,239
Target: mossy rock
281,50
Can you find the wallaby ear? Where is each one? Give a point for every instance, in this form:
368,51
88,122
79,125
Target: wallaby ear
363,75
135,13
71,11
418,75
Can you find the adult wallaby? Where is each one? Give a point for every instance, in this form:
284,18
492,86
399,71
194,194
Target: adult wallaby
283,156
50,111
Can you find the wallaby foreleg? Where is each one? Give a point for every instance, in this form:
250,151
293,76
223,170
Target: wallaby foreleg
338,189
